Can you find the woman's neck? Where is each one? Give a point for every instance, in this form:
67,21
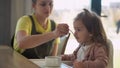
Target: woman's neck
41,20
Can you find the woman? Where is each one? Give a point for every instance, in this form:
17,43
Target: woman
42,42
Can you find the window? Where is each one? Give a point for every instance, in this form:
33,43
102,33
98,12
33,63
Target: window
65,13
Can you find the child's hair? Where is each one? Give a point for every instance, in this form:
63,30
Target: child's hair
94,25
34,1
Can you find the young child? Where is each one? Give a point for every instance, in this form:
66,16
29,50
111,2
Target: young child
92,51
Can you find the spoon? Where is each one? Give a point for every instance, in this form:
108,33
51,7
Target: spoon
71,31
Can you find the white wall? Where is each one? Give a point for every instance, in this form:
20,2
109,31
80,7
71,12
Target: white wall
18,9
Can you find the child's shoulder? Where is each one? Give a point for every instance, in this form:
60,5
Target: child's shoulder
98,45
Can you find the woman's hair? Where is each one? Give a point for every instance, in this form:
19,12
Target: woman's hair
34,1
94,25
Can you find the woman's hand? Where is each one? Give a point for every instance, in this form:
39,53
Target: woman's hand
61,29
77,64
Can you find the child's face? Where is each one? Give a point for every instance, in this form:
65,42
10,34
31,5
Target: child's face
81,33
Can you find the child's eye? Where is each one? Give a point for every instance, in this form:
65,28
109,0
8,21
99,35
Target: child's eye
78,30
43,4
51,4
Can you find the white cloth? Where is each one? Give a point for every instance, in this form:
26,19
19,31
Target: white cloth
81,52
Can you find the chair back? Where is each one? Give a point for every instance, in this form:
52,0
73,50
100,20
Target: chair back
110,48
63,44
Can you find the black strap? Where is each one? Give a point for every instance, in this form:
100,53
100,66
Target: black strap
52,25
42,50
12,40
33,29
33,25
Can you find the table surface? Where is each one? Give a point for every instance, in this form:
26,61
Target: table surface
41,63
11,59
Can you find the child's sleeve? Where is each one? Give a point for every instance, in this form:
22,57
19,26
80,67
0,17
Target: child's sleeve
100,61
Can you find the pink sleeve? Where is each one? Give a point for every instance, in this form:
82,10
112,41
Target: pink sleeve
100,61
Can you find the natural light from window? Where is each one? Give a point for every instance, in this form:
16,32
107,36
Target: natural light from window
65,11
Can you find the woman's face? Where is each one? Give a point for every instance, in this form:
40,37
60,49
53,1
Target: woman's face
81,33
43,8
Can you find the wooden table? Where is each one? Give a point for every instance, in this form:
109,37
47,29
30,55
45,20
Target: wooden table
11,59
41,63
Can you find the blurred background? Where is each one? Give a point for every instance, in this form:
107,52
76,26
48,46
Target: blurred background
64,12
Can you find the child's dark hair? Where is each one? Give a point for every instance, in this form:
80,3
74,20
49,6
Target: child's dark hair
34,1
94,25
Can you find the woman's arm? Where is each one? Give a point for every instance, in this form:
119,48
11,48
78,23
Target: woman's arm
29,41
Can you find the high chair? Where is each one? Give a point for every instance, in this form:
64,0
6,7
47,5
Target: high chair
110,48
63,44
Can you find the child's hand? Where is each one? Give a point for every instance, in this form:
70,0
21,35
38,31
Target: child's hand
77,64
72,57
64,57
69,57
